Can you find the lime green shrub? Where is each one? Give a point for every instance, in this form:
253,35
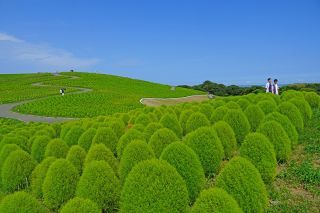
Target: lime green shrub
38,175
238,122
80,205
6,150
86,138
313,99
215,200
60,184
278,137
106,136
207,145
76,156
184,116
21,202
117,126
56,148
303,107
138,127
99,184
160,139
16,171
243,103
195,121
293,113
135,152
206,109
73,135
99,152
218,114
187,164
142,119
267,106
169,194
232,105
171,122
150,129
19,140
290,94
125,139
243,182
227,138
260,152
217,103
254,115
39,147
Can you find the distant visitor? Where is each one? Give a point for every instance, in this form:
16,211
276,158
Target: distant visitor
62,91
272,88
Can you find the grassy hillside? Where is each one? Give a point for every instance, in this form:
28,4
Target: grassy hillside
110,94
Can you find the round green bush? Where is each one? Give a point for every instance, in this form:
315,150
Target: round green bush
278,137
184,116
86,138
243,103
267,106
125,139
138,127
99,184
39,147
117,126
171,122
59,184
160,139
73,135
215,200
56,148
293,113
65,129
260,152
21,202
303,107
227,138
19,140
286,124
135,152
218,114
169,194
80,205
38,175
217,103
16,171
255,116
77,156
195,121
243,182
150,129
232,105
99,152
142,119
313,99
290,94
187,164
238,122
107,137
6,150
206,109
207,145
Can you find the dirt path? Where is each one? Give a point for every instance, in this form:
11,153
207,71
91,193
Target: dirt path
6,109
172,101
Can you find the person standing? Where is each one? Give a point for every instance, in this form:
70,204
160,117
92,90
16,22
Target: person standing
275,87
269,86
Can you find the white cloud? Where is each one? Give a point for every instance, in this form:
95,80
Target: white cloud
22,54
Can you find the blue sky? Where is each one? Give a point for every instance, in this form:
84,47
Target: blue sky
166,41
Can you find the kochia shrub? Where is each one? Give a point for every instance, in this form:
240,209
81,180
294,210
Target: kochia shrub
313,99
267,106
86,138
76,156
56,148
243,182
169,194
227,138
206,144
5,152
60,184
187,164
80,205
206,109
293,113
125,139
254,115
215,200
303,107
184,116
217,103
218,114
151,129
38,175
21,202
195,121
106,136
278,137
99,152
73,135
232,105
142,119
99,184
19,140
117,126
260,152
16,171
39,147
171,122
286,124
243,103
238,122
160,139
134,153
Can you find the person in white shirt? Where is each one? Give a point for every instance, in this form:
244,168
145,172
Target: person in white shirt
269,86
275,87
